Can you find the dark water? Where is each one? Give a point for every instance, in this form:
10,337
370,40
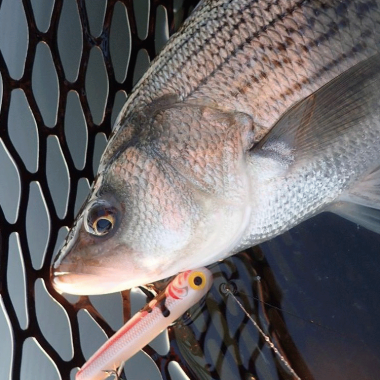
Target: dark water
328,271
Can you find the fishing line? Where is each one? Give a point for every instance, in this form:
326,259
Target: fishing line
285,311
113,372
290,313
116,373
264,336
227,287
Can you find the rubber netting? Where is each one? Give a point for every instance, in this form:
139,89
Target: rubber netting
66,67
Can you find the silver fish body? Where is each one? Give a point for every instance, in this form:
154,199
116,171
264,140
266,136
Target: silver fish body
243,127
323,155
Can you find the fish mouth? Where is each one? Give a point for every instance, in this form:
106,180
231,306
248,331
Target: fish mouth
72,283
86,283
74,277
97,280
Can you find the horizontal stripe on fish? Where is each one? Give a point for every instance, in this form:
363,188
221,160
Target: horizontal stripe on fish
269,55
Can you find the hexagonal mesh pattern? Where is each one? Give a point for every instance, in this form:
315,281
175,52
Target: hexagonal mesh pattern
66,68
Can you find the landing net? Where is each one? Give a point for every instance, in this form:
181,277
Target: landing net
66,68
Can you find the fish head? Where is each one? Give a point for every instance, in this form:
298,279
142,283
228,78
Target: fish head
172,197
137,216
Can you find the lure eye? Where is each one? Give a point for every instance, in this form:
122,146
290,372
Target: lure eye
100,220
197,280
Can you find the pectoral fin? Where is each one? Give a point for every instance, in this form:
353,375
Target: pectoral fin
320,120
326,120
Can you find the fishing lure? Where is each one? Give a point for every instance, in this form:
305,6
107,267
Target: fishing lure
183,292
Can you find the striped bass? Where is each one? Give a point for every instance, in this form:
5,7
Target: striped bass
256,116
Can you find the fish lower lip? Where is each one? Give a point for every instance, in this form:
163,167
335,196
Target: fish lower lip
66,282
58,279
57,274
57,283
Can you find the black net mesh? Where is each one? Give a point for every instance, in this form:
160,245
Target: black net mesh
65,70
66,67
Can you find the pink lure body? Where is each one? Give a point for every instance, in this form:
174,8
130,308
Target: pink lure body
183,292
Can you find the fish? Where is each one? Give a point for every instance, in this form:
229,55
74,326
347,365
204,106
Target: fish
256,116
184,291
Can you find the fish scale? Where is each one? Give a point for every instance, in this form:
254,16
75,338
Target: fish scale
268,54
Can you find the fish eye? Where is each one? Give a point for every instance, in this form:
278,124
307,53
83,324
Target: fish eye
100,220
103,225
197,280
